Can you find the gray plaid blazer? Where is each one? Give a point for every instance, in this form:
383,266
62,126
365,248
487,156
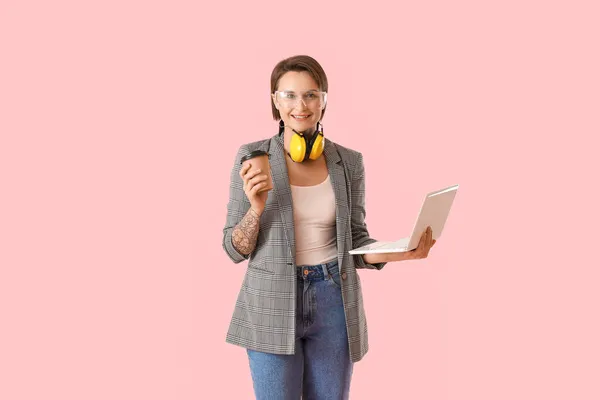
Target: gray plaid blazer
264,315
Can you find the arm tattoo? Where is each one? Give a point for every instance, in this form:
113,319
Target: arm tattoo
245,233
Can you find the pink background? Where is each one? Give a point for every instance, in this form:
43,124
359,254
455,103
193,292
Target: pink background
119,124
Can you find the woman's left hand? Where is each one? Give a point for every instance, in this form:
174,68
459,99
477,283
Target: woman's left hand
422,251
425,244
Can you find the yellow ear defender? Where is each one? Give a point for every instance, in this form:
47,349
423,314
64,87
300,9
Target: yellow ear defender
302,149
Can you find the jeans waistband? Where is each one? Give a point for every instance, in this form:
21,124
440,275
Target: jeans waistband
317,272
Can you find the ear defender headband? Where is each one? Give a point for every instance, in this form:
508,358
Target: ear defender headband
302,149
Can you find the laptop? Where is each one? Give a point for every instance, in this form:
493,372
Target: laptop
434,212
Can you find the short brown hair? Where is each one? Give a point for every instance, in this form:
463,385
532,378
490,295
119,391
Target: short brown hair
297,63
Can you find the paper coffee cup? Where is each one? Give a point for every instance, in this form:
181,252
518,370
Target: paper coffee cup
260,160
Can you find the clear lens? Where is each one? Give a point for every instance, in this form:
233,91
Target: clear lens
311,98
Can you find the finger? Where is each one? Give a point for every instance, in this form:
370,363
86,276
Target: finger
243,175
421,240
429,237
429,240
244,169
425,236
257,187
251,174
257,179
425,243
249,188
253,177
420,247
247,170
248,178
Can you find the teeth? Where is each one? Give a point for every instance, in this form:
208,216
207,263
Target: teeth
297,117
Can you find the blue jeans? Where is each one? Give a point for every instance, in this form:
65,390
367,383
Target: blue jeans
321,367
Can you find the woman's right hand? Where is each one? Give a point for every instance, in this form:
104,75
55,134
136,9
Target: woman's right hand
254,180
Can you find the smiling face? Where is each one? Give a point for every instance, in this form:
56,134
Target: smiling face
301,116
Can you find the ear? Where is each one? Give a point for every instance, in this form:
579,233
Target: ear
274,98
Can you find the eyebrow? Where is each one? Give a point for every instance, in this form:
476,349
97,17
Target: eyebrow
292,91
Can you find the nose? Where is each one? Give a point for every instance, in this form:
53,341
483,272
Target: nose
302,103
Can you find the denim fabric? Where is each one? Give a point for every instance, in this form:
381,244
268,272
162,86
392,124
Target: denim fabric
321,367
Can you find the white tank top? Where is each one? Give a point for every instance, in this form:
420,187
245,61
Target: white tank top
314,223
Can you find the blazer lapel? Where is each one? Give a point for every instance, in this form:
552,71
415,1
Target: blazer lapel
282,191
338,181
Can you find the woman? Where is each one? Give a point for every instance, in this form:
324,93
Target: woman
299,312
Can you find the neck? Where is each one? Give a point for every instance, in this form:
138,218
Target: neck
308,133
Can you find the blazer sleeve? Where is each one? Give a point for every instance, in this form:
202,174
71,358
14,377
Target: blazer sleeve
360,234
237,207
